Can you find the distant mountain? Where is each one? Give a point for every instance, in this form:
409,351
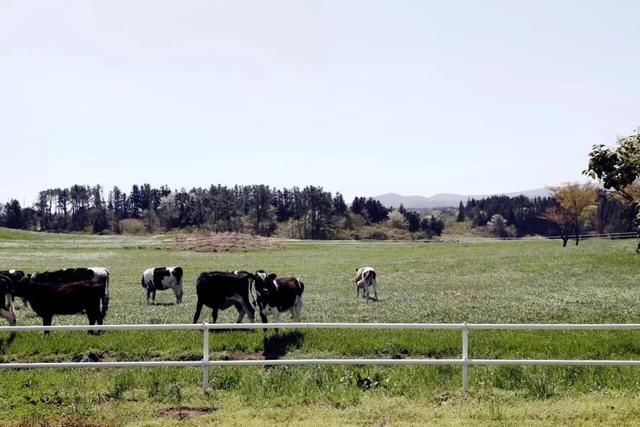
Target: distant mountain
446,200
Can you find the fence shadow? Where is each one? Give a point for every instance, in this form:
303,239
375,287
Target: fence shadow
276,346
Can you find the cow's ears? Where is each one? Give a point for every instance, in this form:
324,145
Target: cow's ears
272,276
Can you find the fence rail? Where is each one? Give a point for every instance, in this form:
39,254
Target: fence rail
205,362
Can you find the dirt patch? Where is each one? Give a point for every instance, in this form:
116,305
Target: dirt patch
221,242
185,412
91,357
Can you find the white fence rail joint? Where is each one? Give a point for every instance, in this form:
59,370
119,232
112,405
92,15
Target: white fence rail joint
465,361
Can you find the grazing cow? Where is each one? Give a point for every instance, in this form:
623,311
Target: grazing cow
278,295
365,278
220,290
6,302
49,298
161,278
99,275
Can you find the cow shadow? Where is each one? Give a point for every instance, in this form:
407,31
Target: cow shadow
163,304
276,346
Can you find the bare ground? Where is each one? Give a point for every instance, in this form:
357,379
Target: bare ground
221,242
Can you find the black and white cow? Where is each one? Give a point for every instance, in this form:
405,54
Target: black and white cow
365,278
64,294
161,278
275,296
96,275
6,302
220,290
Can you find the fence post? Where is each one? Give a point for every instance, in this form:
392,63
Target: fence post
205,357
465,357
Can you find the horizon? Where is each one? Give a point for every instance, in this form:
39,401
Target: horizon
364,98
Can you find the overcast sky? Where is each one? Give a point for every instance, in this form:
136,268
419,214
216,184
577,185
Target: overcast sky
363,97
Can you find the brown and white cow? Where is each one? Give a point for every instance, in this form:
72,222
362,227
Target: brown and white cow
161,278
365,278
275,296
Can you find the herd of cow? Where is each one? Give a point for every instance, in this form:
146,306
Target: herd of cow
86,290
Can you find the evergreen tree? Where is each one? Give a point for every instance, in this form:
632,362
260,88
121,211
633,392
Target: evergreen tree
13,214
460,217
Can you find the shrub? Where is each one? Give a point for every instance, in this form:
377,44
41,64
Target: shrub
131,226
497,226
396,220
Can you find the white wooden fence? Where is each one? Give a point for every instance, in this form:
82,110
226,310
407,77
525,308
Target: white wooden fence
205,363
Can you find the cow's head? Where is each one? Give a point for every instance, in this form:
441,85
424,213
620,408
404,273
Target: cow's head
18,287
264,284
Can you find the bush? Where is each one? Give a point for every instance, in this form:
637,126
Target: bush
397,220
376,235
131,226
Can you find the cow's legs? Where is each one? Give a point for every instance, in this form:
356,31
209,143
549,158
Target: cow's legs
46,321
375,289
148,295
153,297
297,310
264,319
241,310
105,305
276,318
198,309
214,315
93,314
178,293
11,318
251,313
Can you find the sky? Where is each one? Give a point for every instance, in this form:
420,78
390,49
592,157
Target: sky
362,97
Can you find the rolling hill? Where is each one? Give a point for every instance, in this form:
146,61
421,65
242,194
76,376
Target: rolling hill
443,200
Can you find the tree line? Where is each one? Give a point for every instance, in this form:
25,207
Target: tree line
313,213
307,213
572,210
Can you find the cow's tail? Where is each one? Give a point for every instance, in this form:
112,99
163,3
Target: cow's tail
144,285
105,304
106,283
300,286
105,295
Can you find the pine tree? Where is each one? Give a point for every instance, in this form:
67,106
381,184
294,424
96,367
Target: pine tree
460,217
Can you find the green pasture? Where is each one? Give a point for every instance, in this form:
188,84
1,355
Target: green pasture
492,281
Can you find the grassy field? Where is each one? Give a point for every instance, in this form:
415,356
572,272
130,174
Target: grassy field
522,281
